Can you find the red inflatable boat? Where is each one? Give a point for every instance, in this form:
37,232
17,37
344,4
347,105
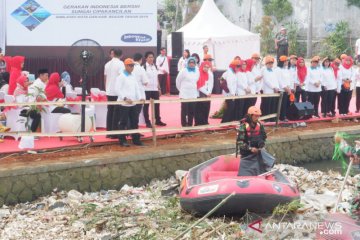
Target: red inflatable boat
205,185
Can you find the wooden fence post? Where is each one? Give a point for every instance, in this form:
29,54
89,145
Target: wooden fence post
152,106
279,109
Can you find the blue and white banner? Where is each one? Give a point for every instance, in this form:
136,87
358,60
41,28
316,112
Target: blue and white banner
63,22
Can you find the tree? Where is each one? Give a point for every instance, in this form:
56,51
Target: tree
278,9
266,35
354,3
172,14
292,31
337,42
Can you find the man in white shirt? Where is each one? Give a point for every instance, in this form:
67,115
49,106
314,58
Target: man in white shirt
127,89
357,50
140,73
37,89
111,72
111,56
152,90
163,68
36,93
141,77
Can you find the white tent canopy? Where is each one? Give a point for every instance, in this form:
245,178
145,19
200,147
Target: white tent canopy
224,39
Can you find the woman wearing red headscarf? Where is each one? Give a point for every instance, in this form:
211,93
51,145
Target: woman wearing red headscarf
53,92
17,63
300,83
205,86
52,89
21,96
346,77
21,90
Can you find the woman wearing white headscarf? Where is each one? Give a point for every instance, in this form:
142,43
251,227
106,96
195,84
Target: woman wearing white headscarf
66,79
186,83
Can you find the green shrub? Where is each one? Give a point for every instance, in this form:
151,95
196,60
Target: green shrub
266,35
292,31
354,3
337,42
280,9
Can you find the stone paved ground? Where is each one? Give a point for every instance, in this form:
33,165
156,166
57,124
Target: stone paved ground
149,212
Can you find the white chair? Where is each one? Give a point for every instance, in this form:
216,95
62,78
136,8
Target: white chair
74,108
14,121
2,96
90,112
100,110
95,91
78,90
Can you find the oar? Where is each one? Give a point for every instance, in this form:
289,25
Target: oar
344,182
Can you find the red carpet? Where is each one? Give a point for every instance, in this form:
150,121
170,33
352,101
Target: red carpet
170,114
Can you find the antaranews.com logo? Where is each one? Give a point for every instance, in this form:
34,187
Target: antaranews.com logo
321,228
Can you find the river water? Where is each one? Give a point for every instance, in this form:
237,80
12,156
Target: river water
322,166
326,166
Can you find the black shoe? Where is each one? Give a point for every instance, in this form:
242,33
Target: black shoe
124,144
138,143
160,124
148,125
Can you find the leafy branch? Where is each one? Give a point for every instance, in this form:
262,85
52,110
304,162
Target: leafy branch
355,3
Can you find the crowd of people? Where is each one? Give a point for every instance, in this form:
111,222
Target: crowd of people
25,88
326,80
145,77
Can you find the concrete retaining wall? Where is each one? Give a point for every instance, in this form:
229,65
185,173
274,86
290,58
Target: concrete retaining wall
112,172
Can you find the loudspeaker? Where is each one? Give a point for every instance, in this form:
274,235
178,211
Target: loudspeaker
173,75
177,44
300,111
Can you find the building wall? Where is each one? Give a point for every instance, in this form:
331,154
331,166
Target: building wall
326,14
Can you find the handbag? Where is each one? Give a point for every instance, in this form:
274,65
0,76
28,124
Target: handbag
224,86
346,86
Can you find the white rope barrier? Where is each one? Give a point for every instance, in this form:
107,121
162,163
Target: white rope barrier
153,130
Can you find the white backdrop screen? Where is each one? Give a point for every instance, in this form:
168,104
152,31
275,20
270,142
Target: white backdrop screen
63,22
